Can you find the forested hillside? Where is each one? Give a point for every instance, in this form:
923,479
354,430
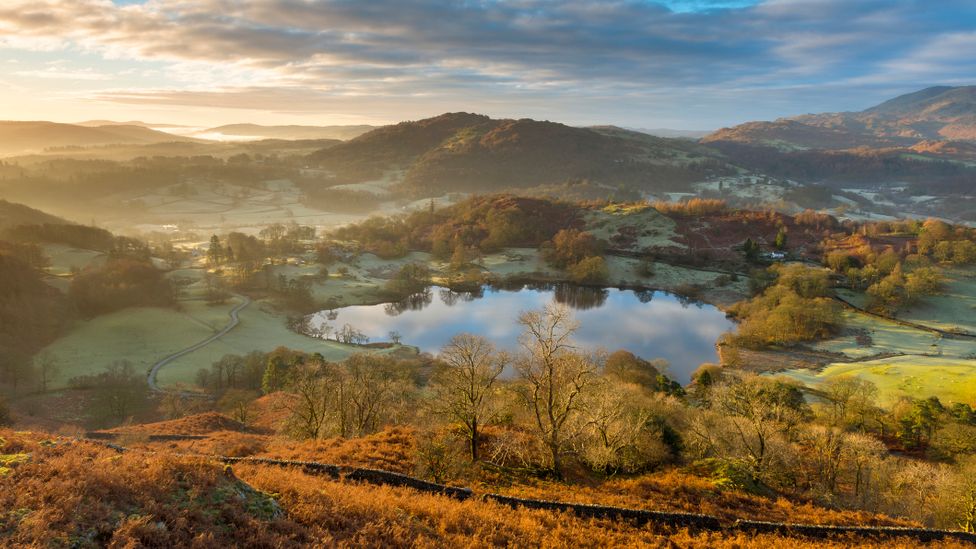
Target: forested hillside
473,153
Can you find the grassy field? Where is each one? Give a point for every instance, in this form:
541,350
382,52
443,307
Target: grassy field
64,258
261,328
954,310
886,337
140,335
145,335
952,380
925,363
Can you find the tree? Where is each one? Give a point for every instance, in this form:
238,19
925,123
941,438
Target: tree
119,392
5,417
238,403
459,258
849,401
591,270
274,375
464,388
371,390
750,250
313,405
15,367
47,368
395,337
760,409
412,278
570,246
619,429
917,424
780,242
173,405
555,376
215,252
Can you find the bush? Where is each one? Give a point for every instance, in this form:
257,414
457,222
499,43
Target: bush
592,270
695,206
412,278
569,247
645,268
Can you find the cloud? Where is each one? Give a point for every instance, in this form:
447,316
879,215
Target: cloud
635,54
60,73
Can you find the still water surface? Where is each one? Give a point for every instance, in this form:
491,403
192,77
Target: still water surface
649,324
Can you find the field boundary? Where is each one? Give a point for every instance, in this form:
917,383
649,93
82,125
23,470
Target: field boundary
907,323
583,510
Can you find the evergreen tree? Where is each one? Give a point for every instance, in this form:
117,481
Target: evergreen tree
274,375
215,254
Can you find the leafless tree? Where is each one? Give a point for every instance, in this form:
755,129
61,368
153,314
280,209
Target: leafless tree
47,368
555,375
464,388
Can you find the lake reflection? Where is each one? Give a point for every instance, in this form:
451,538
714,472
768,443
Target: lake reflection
649,324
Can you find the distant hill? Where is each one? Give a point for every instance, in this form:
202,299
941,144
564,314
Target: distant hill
667,132
97,123
13,214
255,131
474,153
20,137
932,115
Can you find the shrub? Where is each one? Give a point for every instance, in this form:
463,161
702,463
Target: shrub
592,270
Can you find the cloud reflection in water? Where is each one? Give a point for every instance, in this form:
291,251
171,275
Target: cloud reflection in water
665,327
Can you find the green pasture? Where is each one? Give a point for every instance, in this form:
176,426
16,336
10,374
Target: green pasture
63,258
951,380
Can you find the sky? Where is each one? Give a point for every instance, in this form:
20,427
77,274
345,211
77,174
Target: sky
695,64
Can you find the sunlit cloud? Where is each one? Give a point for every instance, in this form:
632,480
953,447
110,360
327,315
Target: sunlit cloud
627,60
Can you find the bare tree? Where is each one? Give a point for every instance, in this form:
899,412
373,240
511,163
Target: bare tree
173,405
313,404
618,428
47,368
555,375
464,388
370,391
120,392
849,401
237,402
760,410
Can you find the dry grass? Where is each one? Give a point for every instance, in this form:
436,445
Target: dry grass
389,450
347,514
69,493
673,490
198,424
82,495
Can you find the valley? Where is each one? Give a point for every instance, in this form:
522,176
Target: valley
309,298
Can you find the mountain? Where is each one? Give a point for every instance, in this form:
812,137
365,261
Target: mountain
255,131
19,137
932,115
474,153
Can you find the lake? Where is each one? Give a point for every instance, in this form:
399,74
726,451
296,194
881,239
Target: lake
647,323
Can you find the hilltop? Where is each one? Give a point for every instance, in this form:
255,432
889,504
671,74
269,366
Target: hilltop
474,153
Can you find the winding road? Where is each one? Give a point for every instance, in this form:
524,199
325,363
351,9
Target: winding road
234,321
